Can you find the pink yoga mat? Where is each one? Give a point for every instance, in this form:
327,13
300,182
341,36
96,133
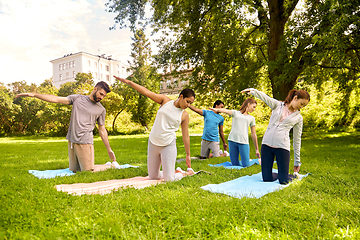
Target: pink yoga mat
105,187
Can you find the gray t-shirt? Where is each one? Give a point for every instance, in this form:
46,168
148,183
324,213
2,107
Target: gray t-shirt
84,115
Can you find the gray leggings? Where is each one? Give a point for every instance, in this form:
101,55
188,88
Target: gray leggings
165,156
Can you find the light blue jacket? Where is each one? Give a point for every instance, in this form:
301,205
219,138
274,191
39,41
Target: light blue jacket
277,133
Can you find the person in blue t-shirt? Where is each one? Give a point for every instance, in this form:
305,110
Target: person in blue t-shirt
213,127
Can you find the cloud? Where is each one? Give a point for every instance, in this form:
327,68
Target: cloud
35,32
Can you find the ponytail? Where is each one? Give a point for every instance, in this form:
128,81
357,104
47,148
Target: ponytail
246,103
301,94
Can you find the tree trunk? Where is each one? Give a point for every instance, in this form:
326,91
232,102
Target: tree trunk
278,18
113,125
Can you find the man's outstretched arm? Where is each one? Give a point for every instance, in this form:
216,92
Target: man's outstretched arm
46,97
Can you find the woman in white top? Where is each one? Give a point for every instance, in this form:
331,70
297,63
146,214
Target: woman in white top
276,141
162,140
239,135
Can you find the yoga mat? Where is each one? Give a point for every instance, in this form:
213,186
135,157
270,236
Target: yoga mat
228,165
63,172
51,173
248,186
104,187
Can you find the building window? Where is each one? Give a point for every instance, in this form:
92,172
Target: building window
100,66
95,74
118,66
107,78
95,64
67,75
60,77
60,67
101,76
168,84
89,63
67,65
107,67
63,66
118,73
175,83
74,63
70,64
183,83
74,74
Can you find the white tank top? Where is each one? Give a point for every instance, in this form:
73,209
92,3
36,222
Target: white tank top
167,122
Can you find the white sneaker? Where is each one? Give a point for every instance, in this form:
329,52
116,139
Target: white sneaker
178,169
221,152
108,163
227,154
116,165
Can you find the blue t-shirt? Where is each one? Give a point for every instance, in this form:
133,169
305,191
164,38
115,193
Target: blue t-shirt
212,121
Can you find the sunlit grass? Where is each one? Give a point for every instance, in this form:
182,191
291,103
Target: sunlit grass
325,205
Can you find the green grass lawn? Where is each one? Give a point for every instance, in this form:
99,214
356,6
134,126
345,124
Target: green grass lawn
325,205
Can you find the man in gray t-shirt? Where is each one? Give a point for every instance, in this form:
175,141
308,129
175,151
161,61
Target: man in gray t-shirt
86,111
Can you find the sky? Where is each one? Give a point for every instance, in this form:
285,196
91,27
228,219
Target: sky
33,32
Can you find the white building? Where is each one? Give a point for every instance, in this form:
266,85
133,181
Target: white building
102,68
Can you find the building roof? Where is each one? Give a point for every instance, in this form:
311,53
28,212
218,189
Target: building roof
93,55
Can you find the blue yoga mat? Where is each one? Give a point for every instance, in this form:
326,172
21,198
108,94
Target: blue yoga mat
247,186
51,173
228,165
63,172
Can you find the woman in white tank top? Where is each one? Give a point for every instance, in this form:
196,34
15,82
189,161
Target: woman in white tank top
162,140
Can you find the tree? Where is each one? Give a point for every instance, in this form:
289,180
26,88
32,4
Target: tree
7,111
233,43
142,108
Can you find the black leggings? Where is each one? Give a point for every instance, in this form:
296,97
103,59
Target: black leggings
268,155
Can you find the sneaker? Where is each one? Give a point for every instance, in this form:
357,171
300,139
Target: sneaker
116,165
227,154
221,152
190,171
178,169
108,163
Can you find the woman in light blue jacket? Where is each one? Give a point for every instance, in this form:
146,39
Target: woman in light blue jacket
276,141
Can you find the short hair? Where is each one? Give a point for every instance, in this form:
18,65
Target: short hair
301,94
103,85
187,92
245,104
217,103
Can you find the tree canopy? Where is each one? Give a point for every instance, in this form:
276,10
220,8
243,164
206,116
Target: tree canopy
235,44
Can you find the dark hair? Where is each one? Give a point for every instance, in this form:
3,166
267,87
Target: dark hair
187,92
217,103
103,85
246,103
301,94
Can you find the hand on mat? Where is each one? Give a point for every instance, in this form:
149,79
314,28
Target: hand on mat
257,153
112,155
225,146
296,169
